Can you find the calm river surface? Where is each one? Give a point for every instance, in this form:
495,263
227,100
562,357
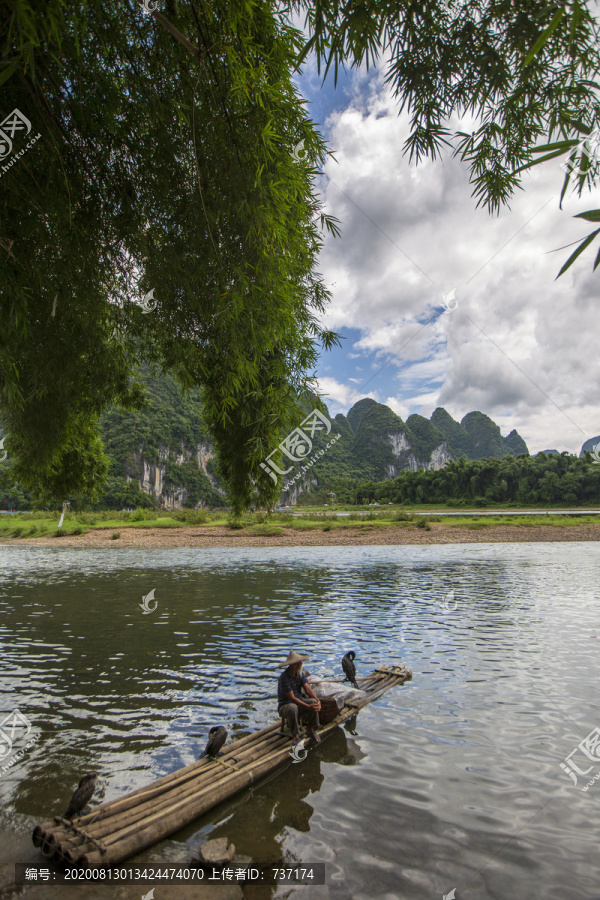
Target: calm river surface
451,781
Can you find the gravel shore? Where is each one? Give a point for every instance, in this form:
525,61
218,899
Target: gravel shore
221,536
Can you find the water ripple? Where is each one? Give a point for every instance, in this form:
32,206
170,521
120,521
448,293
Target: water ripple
451,781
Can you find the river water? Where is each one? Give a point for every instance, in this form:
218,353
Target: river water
452,781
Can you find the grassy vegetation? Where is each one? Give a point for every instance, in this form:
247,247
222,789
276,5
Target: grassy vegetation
265,530
40,524
555,520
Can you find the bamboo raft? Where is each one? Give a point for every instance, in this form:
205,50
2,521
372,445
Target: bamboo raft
117,830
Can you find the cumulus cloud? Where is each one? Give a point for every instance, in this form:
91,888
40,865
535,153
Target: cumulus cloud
520,346
340,397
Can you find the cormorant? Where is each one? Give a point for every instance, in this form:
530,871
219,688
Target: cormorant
82,795
216,738
349,668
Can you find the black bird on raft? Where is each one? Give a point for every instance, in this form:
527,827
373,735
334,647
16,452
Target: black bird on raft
216,738
349,668
82,795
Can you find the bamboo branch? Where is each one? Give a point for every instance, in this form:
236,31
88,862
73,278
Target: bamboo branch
175,32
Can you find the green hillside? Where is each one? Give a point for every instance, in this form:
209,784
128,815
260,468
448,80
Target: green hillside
457,437
514,444
485,436
426,436
166,432
161,455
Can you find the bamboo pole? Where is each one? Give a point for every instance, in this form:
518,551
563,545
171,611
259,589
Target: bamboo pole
108,826
225,780
176,817
229,779
191,772
200,768
151,813
207,777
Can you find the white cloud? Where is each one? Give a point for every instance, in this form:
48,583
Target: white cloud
519,341
340,397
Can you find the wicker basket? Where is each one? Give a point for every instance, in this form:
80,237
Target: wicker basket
329,710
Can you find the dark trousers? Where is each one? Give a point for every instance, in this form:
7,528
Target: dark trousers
290,712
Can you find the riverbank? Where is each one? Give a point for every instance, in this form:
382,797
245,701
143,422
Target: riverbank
359,535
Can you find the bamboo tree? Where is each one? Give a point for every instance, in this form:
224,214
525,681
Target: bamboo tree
161,170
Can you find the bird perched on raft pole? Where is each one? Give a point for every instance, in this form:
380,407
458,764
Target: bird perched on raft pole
349,668
216,738
82,795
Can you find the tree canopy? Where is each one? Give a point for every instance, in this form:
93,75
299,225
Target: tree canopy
166,163
520,481
157,169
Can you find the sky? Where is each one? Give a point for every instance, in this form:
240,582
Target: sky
517,345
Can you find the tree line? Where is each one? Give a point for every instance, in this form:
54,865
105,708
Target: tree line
523,480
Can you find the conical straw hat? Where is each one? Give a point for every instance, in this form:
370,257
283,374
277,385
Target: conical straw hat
292,658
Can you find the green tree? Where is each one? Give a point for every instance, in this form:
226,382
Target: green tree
163,168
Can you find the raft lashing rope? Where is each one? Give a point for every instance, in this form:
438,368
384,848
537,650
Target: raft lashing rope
121,828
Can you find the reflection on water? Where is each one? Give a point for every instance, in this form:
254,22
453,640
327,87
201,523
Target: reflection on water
452,781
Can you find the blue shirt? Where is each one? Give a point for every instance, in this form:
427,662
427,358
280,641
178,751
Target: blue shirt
287,683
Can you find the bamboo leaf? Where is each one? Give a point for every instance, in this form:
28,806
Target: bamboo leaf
10,70
544,37
592,215
536,162
585,243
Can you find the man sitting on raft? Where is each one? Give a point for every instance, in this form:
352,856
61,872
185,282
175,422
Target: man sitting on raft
290,701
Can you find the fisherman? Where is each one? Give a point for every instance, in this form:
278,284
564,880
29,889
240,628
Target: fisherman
290,702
